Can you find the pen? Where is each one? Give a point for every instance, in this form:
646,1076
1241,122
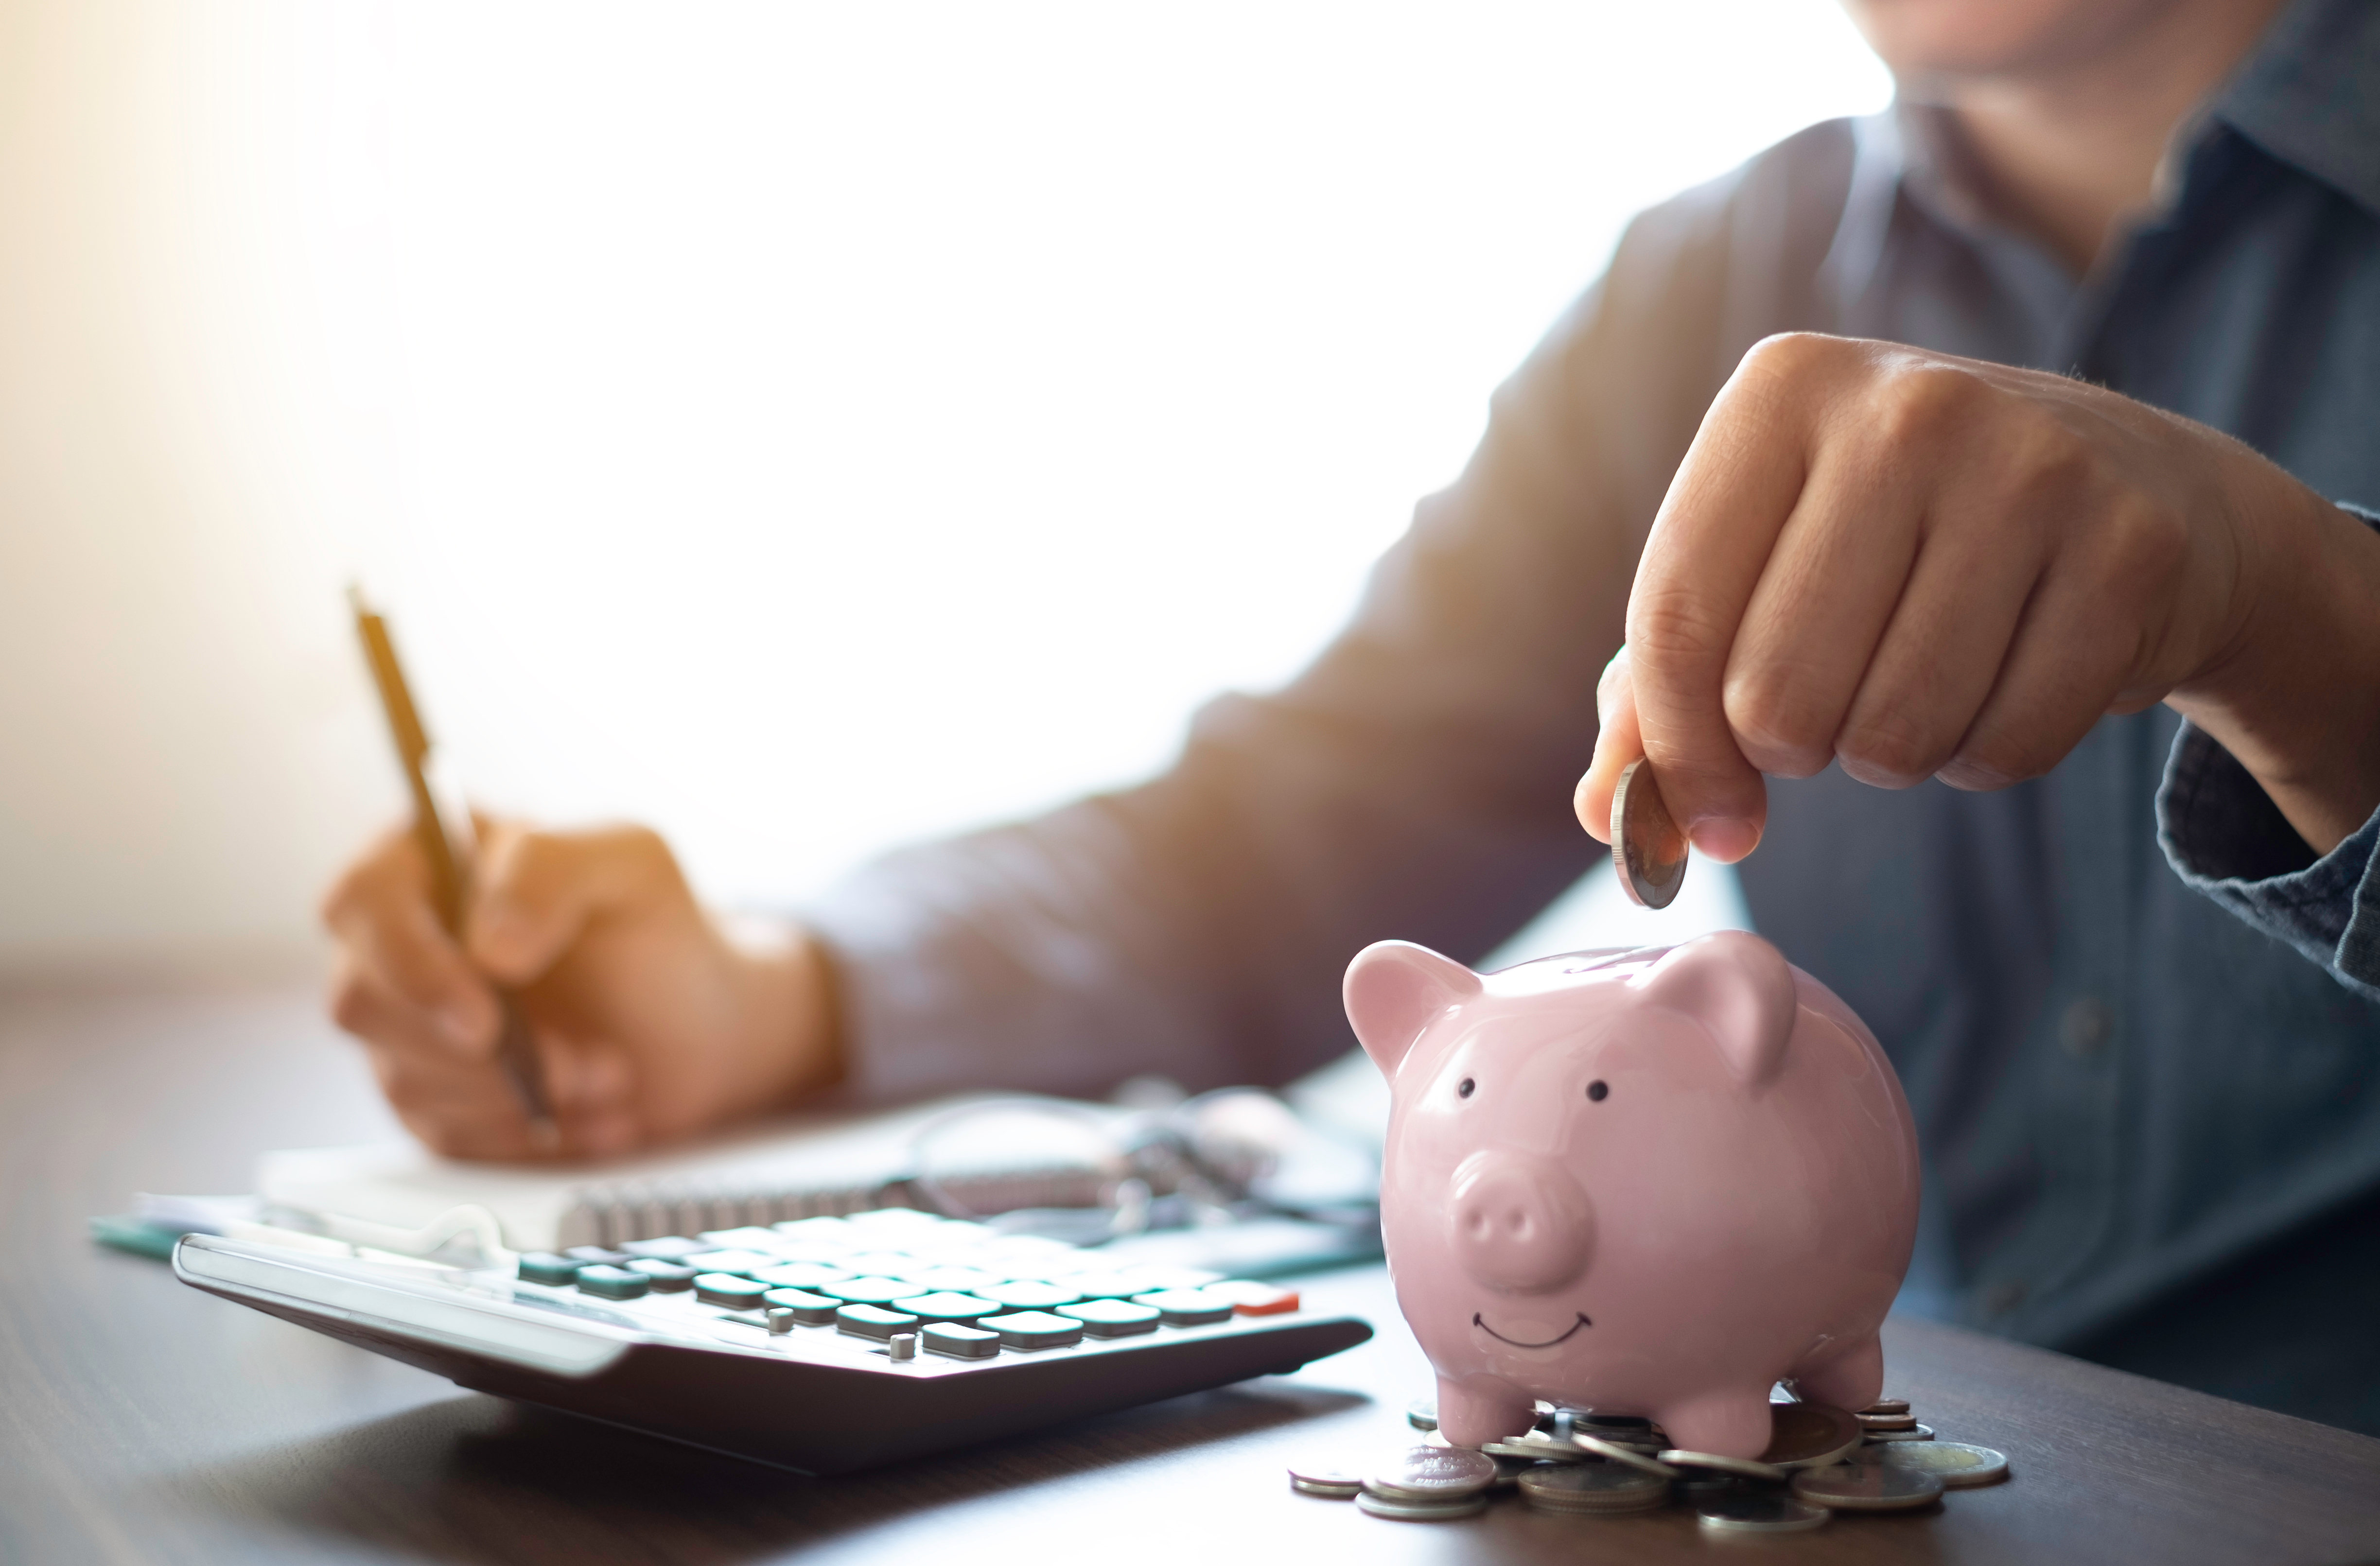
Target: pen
441,825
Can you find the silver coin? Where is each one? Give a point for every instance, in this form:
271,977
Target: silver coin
1696,1488
1887,1405
1422,1413
1957,1465
1761,1514
1809,1435
1626,1456
1867,1487
1923,1433
1542,1448
1647,849
1741,1467
1887,1421
1431,1473
1593,1487
1325,1479
1638,1436
1420,1511
1510,1469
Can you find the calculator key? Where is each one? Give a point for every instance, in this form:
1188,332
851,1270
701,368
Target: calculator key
802,1275
613,1282
1029,1295
810,1310
868,1291
1186,1308
1152,1278
669,1248
591,1255
963,1231
873,1322
726,1288
958,1279
959,1341
1027,1254
823,1253
744,1262
1033,1329
1111,1319
1107,1285
946,1307
668,1277
884,1264
544,1267
886,1222
1256,1299
824,1230
748,1238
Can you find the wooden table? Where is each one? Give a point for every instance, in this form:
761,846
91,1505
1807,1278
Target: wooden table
144,1421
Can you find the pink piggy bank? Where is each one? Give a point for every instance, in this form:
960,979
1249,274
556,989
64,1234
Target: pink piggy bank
1649,1182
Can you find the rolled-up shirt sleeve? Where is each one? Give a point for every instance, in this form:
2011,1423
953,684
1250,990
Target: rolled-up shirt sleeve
1415,781
2225,837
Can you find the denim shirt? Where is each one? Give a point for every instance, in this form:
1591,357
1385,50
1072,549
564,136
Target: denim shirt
2137,1020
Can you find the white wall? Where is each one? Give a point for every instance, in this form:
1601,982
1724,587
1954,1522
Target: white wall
802,427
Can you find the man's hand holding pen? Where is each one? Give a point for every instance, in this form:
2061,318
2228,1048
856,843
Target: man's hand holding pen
652,1019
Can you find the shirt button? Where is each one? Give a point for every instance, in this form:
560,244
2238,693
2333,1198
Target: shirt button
2087,1027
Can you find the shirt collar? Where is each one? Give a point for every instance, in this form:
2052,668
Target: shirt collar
2310,94
1902,156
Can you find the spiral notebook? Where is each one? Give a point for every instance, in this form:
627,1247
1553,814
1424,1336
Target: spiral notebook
783,1169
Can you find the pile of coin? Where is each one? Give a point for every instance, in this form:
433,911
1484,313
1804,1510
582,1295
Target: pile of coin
1423,1484
1819,1461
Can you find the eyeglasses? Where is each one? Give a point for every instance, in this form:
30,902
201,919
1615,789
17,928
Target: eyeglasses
1085,1173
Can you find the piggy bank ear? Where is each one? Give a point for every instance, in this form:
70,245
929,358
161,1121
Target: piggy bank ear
1393,988
1738,986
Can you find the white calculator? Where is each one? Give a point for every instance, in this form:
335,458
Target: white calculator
821,1345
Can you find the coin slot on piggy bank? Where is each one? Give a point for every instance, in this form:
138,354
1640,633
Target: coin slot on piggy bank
1654,1184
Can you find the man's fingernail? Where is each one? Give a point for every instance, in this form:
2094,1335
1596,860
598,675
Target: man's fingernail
1724,838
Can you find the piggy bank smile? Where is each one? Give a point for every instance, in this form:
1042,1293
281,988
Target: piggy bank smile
1479,1320
1651,1183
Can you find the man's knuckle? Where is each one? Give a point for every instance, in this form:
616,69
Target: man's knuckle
646,850
351,1006
1783,729
1791,355
1671,625
2000,759
2145,539
1895,743
441,1135
1922,406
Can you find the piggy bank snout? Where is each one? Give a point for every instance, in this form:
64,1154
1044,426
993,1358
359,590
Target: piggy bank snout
1522,1223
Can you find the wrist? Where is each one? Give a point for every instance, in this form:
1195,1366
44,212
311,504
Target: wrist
793,1030
2295,697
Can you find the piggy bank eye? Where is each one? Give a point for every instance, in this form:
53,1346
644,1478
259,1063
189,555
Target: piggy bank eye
1597,1091
1464,1089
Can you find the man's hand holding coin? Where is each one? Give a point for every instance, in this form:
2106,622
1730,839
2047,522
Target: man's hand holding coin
1924,567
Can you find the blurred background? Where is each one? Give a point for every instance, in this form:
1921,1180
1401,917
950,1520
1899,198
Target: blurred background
803,428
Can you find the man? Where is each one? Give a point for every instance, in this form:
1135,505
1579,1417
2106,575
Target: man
2012,554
